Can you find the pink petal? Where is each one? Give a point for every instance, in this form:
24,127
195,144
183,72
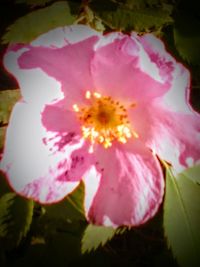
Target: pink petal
168,125
70,65
57,118
35,86
158,55
59,59
130,189
80,162
177,97
35,159
59,37
173,136
118,70
180,138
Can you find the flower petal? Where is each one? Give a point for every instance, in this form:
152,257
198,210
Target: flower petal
57,118
59,37
35,86
173,136
70,65
130,189
177,98
34,159
158,55
168,125
43,69
180,135
80,162
118,70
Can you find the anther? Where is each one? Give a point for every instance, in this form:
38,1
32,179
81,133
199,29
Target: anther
76,108
104,120
88,95
97,95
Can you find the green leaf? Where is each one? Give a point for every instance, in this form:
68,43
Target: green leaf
2,136
103,5
27,28
71,208
187,38
58,246
7,98
87,17
182,218
34,2
135,4
193,173
15,217
142,3
139,19
64,243
95,236
77,197
4,186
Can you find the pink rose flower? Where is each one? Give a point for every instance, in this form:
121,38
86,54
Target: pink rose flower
99,108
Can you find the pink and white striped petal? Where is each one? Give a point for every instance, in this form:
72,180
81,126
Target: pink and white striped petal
35,159
126,190
69,65
173,136
35,85
159,56
178,97
57,118
46,73
118,70
62,36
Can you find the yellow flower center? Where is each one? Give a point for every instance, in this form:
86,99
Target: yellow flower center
104,120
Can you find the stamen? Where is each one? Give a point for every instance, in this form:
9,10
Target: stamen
122,140
104,120
101,139
88,95
91,149
135,134
133,105
107,143
76,108
97,95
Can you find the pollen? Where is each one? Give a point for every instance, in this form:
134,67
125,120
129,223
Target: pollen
88,95
75,108
104,120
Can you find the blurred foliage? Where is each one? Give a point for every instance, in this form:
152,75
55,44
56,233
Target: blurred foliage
34,2
2,136
71,208
187,38
7,98
193,174
4,188
32,234
129,17
30,26
15,218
